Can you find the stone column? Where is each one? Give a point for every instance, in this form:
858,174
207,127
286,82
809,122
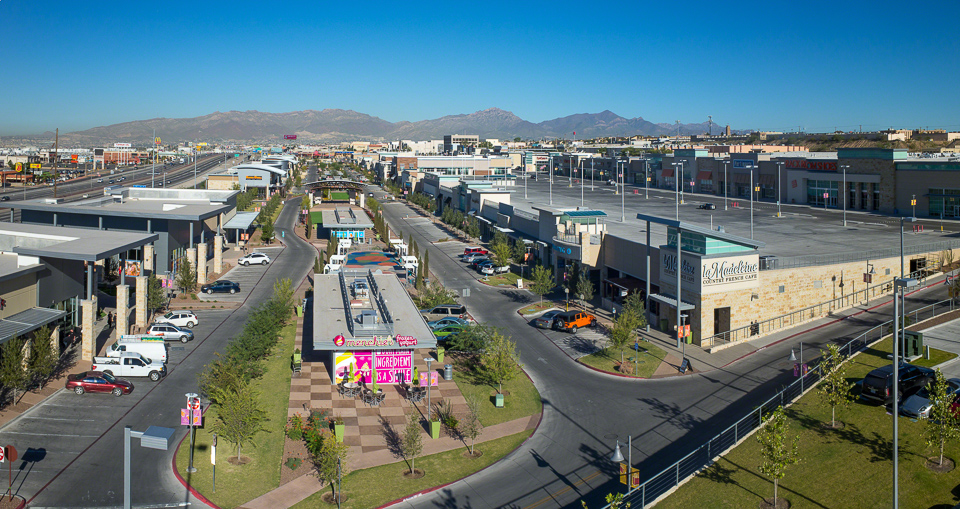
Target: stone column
123,309
55,341
218,254
363,199
140,305
148,259
192,257
202,263
88,310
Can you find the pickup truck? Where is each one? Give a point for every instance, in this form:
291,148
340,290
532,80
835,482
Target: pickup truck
130,364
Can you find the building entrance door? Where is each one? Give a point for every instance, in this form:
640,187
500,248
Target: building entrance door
721,320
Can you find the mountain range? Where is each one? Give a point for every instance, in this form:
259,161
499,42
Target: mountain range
334,125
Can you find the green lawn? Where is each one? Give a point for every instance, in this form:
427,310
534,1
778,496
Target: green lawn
536,308
522,398
316,217
648,359
849,468
340,195
373,487
506,279
239,484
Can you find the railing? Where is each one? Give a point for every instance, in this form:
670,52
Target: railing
525,215
669,478
346,301
758,329
570,239
792,262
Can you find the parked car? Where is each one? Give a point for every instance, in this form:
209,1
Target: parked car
170,332
492,269
707,206
180,318
151,349
254,258
919,404
878,384
450,320
130,364
444,333
5,198
98,381
222,286
573,320
473,257
547,320
444,311
477,260
474,250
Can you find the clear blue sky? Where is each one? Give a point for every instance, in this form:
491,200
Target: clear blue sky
760,65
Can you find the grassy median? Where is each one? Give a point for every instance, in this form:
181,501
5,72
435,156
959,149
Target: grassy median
647,359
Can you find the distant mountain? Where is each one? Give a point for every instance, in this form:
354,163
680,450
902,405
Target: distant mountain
332,125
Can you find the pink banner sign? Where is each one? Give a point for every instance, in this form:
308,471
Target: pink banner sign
185,417
406,340
434,379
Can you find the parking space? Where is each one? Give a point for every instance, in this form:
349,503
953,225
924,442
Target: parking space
246,277
945,337
586,341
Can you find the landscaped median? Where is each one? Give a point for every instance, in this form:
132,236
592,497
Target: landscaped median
640,360
849,467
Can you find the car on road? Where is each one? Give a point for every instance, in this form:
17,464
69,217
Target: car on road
446,332
222,286
5,198
919,404
450,320
547,320
180,318
491,269
444,311
254,258
98,381
170,332
99,181
572,320
878,384
707,206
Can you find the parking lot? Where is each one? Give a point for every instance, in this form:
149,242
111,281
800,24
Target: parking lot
246,277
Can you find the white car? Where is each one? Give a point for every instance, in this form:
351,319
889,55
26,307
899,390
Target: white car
254,258
180,318
491,270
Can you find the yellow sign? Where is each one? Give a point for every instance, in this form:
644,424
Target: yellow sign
253,177
157,140
913,202
204,144
19,166
35,165
634,476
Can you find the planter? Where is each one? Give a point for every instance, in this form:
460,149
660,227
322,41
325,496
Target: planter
338,432
498,402
434,429
440,351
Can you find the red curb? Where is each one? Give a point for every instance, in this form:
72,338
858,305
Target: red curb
435,488
598,370
189,488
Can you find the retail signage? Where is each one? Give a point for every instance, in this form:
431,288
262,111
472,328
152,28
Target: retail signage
669,263
289,136
406,341
132,267
35,166
805,164
743,163
253,177
391,366
723,271
189,414
122,145
156,140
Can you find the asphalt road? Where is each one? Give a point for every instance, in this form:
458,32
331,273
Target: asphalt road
77,441
585,412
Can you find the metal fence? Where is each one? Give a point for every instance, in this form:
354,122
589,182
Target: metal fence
792,262
794,318
669,478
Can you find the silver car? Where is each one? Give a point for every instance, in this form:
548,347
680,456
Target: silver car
919,404
170,332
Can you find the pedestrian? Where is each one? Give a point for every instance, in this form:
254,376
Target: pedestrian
110,319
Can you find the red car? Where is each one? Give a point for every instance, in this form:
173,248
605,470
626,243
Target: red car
98,381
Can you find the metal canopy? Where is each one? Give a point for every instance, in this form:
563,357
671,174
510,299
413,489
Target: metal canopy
27,321
241,221
672,302
585,213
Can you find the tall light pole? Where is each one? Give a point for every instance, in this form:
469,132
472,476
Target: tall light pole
581,182
591,174
845,166
725,184
899,285
751,203
570,175
153,169
646,178
428,360
676,177
525,178
551,180
623,191
617,457
779,168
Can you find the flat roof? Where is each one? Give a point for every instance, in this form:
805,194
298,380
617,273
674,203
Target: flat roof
27,321
331,313
346,217
11,266
241,220
69,243
159,208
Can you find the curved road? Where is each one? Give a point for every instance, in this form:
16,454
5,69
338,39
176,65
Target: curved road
585,412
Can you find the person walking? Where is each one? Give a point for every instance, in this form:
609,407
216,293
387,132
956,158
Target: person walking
110,319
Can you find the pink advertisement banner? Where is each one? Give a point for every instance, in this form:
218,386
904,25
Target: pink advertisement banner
390,366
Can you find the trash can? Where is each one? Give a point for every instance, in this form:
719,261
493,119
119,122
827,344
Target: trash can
448,372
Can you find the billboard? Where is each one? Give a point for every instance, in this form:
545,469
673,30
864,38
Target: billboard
122,145
289,136
132,268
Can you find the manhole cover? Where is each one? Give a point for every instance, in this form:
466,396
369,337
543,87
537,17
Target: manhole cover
611,436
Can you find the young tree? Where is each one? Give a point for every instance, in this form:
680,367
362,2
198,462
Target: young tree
542,282
308,231
316,264
418,282
941,424
435,294
12,374
425,266
266,231
43,358
623,332
155,294
633,304
584,287
331,457
777,450
519,254
834,389
501,253
473,227
499,361
186,276
471,426
411,443
239,416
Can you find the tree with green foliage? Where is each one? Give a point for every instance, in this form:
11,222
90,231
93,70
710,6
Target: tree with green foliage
266,231
221,377
614,501
472,338
584,287
43,358
425,266
942,423
519,254
331,460
186,279
156,297
305,202
435,294
316,265
418,279
239,416
634,305
501,254
308,231
473,227
12,374
470,425
834,390
777,450
499,361
411,443
623,332
542,281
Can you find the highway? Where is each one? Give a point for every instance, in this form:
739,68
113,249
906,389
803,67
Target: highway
585,412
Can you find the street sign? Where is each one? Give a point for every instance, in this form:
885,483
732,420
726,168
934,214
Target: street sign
204,144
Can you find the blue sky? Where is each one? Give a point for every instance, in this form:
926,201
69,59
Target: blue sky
753,65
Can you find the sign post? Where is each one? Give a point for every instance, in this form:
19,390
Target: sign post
193,405
213,461
9,455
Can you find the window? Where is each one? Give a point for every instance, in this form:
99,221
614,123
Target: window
888,272
781,288
818,284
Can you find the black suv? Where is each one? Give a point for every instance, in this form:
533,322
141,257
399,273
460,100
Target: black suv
878,384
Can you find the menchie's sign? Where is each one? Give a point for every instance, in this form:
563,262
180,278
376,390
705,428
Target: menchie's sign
376,341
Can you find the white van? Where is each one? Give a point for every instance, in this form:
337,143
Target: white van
156,350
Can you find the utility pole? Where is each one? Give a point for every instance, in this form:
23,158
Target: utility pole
153,170
56,149
710,124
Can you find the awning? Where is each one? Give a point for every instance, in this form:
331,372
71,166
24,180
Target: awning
768,180
672,302
667,172
705,175
27,321
241,221
741,178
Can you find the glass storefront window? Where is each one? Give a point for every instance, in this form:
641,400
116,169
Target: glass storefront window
945,201
816,190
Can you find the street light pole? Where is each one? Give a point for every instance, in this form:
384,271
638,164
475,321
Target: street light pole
725,184
551,180
623,191
428,360
153,169
581,183
845,166
591,174
779,199
751,203
646,178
